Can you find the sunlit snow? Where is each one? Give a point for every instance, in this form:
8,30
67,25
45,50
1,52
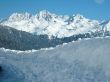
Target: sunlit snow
79,61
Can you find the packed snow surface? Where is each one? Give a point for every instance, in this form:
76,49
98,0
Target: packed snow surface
80,61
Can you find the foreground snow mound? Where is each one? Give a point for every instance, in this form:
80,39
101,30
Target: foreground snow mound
81,61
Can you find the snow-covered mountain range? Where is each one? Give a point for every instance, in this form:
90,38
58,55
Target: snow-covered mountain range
51,24
82,57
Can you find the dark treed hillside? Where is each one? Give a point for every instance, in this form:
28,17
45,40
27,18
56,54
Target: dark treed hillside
19,40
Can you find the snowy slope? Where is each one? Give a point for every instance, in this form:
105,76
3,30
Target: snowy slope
51,24
81,61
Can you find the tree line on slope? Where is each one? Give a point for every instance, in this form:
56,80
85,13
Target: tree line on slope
11,38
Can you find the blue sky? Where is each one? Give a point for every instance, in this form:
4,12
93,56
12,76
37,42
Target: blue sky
93,9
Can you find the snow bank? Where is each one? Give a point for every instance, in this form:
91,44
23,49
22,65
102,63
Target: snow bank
80,61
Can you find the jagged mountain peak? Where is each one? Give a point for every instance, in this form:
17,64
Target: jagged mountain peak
44,15
78,16
52,24
19,16
44,12
104,22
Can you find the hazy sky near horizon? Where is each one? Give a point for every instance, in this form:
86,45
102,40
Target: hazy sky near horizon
93,9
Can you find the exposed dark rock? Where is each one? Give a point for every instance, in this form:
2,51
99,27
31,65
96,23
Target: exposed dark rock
1,69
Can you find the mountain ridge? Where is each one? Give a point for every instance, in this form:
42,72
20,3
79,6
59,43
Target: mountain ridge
51,24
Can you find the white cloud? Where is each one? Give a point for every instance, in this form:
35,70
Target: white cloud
99,1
